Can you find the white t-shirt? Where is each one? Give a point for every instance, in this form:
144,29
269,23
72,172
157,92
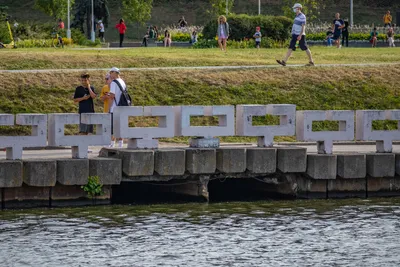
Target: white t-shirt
114,89
222,26
101,27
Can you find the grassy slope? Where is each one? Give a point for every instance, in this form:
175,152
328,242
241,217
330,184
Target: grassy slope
309,88
161,57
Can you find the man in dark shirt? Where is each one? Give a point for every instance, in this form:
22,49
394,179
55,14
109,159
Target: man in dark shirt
345,33
84,95
337,26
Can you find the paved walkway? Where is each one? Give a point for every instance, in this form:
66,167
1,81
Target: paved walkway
311,148
201,68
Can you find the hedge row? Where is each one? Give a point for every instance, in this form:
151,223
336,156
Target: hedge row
352,36
244,26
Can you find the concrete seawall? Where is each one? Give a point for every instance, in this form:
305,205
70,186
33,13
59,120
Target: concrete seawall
190,174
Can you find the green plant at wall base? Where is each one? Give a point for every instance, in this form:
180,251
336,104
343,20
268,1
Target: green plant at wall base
93,188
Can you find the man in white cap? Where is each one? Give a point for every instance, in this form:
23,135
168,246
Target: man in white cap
100,27
298,36
116,87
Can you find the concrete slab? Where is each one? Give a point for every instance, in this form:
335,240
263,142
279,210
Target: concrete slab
309,188
381,165
10,173
347,188
39,172
383,187
231,160
72,171
322,166
170,162
351,166
201,161
397,163
108,170
137,162
73,195
291,159
26,197
261,160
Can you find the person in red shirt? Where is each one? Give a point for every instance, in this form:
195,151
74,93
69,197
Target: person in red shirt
60,24
121,28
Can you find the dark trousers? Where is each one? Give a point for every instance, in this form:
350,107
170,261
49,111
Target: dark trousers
121,39
144,42
345,35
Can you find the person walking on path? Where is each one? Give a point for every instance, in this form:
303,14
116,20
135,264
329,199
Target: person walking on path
105,93
100,27
387,19
116,87
298,36
84,95
337,26
121,29
345,33
222,32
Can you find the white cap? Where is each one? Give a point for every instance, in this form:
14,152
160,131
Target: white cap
297,5
100,21
107,75
114,69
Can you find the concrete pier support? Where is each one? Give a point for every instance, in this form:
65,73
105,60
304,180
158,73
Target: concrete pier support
72,171
10,173
231,160
201,161
137,162
261,160
292,159
170,162
381,165
322,166
351,166
40,173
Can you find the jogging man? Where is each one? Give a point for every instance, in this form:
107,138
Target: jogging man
337,26
298,36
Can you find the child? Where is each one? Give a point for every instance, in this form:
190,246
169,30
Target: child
258,36
374,37
329,37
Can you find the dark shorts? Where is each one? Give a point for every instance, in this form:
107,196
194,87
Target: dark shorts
258,43
302,43
101,34
336,36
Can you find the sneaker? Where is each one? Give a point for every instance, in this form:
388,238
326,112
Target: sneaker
281,62
112,144
310,64
120,143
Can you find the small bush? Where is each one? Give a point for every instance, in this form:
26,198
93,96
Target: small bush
243,26
246,43
352,36
180,37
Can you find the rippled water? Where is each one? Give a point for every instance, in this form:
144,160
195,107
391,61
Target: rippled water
295,233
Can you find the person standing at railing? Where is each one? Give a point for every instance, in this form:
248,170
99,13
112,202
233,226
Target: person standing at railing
387,19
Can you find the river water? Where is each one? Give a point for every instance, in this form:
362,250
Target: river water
274,233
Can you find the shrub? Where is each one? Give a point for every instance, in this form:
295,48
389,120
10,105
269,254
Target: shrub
243,26
247,43
352,36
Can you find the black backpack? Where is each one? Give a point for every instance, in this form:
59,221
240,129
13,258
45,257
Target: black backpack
125,99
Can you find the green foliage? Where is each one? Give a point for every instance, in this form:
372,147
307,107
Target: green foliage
4,33
218,7
54,8
93,188
244,26
310,8
137,10
180,37
41,43
243,44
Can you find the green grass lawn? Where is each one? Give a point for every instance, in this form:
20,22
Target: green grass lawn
169,57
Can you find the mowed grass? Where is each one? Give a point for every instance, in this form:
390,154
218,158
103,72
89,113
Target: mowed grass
323,88
20,59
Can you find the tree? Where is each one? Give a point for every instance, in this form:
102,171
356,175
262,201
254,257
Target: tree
137,10
83,12
54,8
310,8
218,7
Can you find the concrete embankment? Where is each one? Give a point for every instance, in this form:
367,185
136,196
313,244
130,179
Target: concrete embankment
187,174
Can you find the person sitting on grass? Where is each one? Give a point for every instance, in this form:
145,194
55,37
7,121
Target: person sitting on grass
258,36
167,39
329,37
374,37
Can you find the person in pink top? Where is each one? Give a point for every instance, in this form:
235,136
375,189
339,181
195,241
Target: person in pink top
121,28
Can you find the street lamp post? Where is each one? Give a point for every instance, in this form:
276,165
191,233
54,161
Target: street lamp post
93,33
351,13
259,7
68,27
